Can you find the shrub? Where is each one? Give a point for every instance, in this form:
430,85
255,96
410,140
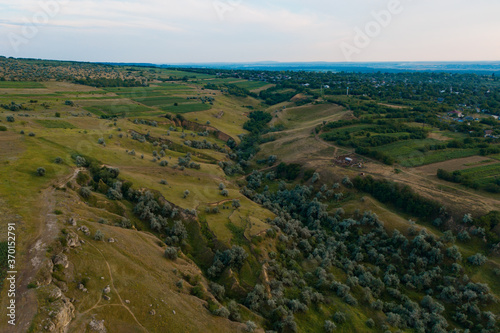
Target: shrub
98,236
171,253
10,119
222,312
186,193
477,259
339,317
250,326
163,163
329,326
370,323
236,203
224,193
217,290
31,134
163,182
58,160
85,192
3,128
40,171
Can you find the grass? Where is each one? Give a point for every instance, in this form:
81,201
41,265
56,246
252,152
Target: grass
160,100
55,123
20,85
186,108
126,110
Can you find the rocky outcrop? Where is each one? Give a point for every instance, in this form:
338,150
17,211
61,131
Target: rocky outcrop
72,239
61,313
44,275
97,326
61,259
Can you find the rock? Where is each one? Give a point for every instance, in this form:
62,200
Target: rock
72,221
61,313
102,277
61,285
127,301
173,311
82,241
84,290
152,312
48,325
72,239
111,240
106,297
106,290
97,326
50,293
61,259
44,275
84,229
80,286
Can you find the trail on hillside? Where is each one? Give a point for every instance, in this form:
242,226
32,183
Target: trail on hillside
35,255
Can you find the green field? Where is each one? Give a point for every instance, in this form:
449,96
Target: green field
187,107
251,85
55,123
21,85
128,110
154,101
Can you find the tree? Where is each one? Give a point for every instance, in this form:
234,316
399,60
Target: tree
329,326
58,160
186,193
98,236
40,171
85,192
467,219
224,193
10,119
477,259
236,203
171,253
315,177
250,326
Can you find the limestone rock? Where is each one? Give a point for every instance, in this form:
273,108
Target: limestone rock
106,290
152,312
72,221
61,259
72,239
44,275
97,326
61,313
48,325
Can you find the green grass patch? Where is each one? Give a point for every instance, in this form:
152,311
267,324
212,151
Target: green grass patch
164,100
188,107
21,84
54,123
123,110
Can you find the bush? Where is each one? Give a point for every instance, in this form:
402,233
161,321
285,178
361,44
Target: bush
217,290
339,317
10,119
85,192
370,323
250,326
477,259
186,194
31,134
222,312
329,326
163,182
3,128
58,160
98,236
171,253
40,171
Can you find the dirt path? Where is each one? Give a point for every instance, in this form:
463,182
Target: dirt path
48,231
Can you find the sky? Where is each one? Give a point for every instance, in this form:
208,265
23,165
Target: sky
200,31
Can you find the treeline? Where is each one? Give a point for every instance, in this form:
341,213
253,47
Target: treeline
459,178
105,82
231,89
273,96
401,196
